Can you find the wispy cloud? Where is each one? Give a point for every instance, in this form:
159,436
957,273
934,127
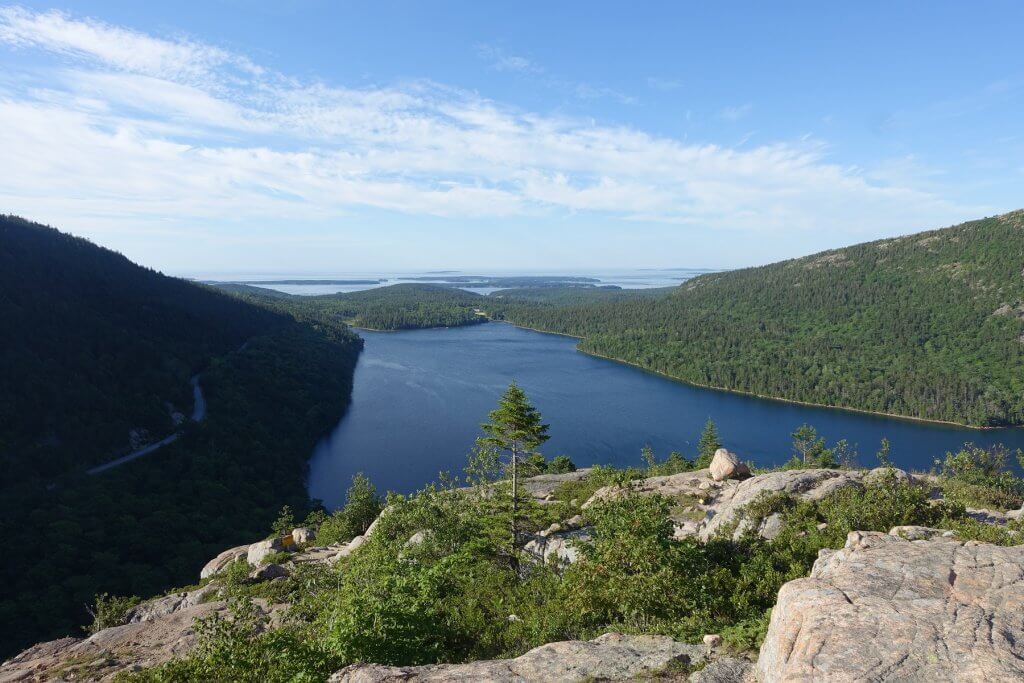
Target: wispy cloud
591,92
664,84
736,113
133,128
501,61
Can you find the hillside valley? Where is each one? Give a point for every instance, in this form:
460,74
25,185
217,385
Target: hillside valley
97,353
927,320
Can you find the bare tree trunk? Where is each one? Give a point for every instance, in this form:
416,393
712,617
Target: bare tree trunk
515,505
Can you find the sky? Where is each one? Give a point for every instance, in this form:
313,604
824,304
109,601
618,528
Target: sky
327,136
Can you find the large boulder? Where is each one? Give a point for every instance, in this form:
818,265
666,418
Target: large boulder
221,562
885,608
726,465
611,657
258,551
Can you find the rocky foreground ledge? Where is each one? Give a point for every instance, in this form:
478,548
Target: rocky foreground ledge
913,604
885,608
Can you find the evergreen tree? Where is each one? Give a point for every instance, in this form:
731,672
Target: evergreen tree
362,504
809,449
514,428
708,444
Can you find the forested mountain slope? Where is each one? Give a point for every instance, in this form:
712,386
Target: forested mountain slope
93,346
927,325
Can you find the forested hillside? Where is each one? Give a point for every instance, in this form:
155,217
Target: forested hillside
397,307
94,346
928,326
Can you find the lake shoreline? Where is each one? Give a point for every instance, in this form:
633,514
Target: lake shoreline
740,392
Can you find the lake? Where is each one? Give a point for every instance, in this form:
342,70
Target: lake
419,397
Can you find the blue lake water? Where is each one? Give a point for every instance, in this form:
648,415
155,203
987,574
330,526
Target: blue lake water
419,397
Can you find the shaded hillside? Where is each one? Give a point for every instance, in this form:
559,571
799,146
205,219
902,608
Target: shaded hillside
928,325
94,346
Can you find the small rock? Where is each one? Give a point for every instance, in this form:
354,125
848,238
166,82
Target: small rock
268,572
349,548
553,529
303,535
712,640
726,465
771,526
573,522
822,526
704,486
418,538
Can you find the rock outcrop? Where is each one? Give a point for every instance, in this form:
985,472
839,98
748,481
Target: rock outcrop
102,655
175,602
221,562
807,484
611,657
885,608
717,504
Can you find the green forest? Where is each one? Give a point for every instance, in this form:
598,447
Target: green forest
96,346
397,307
927,326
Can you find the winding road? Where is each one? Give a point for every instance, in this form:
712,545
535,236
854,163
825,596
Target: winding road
198,413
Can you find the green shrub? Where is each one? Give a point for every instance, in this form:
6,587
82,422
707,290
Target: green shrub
980,477
110,610
362,506
561,464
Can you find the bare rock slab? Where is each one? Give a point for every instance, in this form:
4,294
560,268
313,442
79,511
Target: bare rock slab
611,657
886,608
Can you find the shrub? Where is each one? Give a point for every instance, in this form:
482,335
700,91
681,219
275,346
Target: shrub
980,477
362,506
561,464
110,610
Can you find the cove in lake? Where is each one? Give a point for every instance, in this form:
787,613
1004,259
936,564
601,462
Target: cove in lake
419,397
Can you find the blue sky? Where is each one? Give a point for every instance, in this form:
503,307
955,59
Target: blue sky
341,136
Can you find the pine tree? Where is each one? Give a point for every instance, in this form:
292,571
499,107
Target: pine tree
515,428
708,444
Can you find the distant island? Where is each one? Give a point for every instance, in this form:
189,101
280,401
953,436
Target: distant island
295,282
511,281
